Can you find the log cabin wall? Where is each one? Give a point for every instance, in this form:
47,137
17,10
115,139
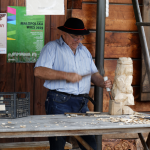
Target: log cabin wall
121,40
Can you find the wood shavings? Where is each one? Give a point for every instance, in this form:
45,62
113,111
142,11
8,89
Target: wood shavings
7,126
93,123
97,115
114,119
22,126
105,120
29,121
131,120
120,123
9,122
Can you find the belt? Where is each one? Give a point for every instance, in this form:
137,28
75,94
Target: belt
80,95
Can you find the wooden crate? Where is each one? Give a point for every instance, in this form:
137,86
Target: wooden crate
40,145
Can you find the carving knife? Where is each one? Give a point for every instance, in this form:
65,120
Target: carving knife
105,79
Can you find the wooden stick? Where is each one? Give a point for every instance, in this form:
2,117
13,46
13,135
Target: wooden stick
86,145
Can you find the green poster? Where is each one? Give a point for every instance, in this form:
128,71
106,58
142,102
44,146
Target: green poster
25,35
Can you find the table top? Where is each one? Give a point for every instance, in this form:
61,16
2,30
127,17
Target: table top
62,125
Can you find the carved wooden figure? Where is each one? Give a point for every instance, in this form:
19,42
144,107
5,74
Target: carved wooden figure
122,90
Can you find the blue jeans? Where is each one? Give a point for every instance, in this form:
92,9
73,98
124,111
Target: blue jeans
59,103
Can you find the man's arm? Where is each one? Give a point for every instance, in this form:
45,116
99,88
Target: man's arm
98,80
50,74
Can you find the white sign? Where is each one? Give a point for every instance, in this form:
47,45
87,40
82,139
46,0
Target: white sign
3,33
2,107
45,7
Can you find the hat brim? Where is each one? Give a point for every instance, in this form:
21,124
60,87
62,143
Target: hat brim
76,32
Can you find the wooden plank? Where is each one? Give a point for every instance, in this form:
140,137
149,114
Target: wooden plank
116,1
74,4
121,17
20,77
40,145
117,44
21,3
47,28
39,101
61,125
39,97
5,3
29,87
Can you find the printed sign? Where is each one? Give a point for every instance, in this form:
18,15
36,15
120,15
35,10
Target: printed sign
45,7
25,35
3,33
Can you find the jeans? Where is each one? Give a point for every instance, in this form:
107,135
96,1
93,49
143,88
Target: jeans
59,103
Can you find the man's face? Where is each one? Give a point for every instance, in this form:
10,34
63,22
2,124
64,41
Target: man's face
72,40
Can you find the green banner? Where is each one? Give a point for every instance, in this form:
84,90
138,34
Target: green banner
25,35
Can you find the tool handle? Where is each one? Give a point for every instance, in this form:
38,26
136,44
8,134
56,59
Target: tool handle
105,79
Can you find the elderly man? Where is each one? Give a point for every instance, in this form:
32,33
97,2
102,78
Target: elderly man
64,64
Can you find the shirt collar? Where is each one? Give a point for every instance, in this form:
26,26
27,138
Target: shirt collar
61,42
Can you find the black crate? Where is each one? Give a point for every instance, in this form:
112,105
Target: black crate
16,104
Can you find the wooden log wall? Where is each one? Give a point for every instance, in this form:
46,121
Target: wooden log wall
121,40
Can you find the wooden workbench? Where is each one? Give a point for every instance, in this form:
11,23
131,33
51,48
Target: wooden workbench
61,125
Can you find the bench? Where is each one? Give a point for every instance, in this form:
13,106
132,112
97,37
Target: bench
38,145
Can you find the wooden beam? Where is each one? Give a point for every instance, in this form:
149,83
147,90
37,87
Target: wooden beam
121,17
74,4
117,44
115,1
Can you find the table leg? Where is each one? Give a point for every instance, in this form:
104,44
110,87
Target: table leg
143,141
148,141
86,145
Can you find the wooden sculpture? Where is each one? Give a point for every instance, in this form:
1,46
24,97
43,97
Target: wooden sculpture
122,91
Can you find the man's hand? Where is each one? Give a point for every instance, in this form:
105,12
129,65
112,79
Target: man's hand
73,77
98,80
108,84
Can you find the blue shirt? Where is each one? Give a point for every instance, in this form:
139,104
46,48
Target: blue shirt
57,55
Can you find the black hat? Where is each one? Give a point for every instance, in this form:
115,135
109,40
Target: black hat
74,26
